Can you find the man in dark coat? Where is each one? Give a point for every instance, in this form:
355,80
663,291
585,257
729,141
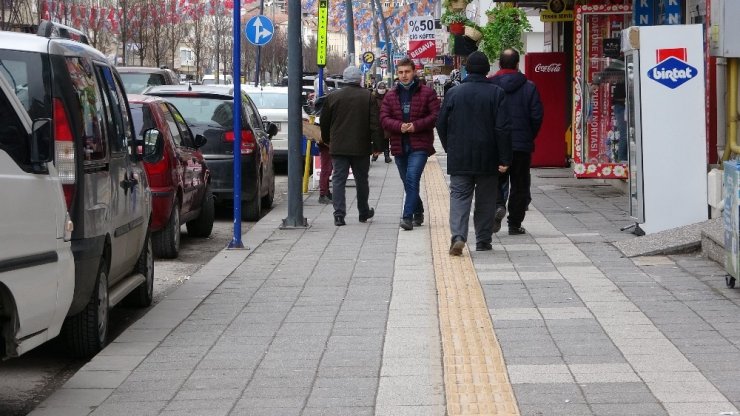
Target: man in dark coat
408,113
349,125
525,109
474,128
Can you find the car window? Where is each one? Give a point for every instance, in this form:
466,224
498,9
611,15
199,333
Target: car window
174,130
205,111
252,114
135,83
142,118
271,100
185,134
90,108
12,133
29,75
114,110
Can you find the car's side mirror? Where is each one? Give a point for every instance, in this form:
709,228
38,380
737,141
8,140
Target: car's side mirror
200,140
152,146
272,129
42,146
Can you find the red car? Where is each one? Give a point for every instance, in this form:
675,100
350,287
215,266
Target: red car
178,176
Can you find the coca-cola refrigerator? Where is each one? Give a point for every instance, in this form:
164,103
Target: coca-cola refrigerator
547,71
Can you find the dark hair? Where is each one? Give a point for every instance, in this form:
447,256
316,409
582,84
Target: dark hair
406,62
509,59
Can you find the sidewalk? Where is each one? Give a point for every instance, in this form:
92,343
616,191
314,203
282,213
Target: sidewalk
367,319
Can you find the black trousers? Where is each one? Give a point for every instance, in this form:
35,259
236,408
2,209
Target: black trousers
519,181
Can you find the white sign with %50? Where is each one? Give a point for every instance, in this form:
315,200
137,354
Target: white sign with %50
421,28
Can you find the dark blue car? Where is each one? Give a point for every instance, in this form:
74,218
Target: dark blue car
208,110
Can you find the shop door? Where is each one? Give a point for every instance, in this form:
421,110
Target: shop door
600,143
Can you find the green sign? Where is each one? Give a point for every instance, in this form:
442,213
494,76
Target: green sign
323,24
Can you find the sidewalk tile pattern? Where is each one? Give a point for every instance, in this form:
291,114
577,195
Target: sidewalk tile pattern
476,380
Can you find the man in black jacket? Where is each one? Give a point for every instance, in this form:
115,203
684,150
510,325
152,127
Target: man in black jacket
525,109
474,126
350,125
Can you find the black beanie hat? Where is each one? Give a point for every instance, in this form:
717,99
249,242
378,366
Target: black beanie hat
477,63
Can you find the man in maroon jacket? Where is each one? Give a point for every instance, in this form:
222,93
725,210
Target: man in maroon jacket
409,113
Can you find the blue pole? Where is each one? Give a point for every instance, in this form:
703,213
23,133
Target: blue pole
236,241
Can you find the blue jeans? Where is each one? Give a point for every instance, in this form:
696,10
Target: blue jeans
410,166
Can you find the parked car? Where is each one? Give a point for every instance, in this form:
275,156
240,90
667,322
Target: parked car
137,78
58,77
178,175
37,275
208,110
272,103
222,80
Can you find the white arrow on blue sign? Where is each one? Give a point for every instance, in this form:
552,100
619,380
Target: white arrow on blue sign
259,30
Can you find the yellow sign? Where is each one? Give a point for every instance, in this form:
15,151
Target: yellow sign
565,16
323,24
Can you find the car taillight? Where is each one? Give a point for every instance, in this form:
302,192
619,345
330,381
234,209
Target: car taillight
248,142
65,150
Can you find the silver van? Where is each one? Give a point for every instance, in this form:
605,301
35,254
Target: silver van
36,264
57,76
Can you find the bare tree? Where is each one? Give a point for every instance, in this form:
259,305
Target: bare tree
196,37
222,24
15,14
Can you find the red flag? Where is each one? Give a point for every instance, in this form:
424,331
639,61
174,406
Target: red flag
93,16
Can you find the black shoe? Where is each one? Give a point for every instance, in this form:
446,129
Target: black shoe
406,224
517,230
500,214
370,214
325,199
374,158
388,158
456,248
339,221
418,219
483,247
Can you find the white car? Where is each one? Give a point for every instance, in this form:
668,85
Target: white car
272,103
37,273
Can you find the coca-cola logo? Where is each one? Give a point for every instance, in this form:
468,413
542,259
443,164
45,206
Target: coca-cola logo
548,68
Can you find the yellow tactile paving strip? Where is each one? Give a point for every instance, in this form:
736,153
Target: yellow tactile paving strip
476,382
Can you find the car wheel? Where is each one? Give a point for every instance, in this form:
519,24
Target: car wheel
268,199
203,225
251,210
142,296
167,241
87,332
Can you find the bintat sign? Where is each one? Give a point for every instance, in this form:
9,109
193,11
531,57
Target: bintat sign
422,43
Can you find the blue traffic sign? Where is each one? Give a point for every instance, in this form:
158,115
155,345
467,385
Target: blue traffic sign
259,30
365,67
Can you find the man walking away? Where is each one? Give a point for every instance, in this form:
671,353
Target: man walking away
408,113
349,125
525,109
474,127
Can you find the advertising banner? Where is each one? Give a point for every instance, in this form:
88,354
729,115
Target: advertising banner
422,42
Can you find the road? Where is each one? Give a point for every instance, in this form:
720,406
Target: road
26,381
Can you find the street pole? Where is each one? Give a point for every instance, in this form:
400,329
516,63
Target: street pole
236,241
350,33
376,49
323,23
295,217
259,50
388,48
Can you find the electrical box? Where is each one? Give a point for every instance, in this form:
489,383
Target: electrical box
724,32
